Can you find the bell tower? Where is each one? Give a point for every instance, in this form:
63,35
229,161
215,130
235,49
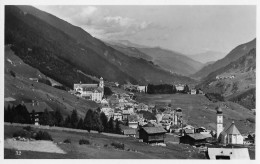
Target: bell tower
101,83
219,121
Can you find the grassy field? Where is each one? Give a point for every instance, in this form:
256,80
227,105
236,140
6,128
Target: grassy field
199,111
100,148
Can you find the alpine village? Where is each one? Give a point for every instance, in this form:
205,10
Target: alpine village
70,95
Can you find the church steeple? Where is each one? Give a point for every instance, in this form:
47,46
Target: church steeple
219,121
101,83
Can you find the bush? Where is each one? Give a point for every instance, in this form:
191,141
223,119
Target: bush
22,133
67,141
250,119
28,128
118,145
41,135
84,142
13,73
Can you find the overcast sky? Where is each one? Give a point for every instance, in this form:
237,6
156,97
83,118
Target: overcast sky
187,29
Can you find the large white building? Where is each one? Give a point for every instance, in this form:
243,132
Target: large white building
230,134
92,92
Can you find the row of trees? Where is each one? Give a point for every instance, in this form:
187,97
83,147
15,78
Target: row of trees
93,120
165,89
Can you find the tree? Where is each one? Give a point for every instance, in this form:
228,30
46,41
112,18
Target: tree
186,89
107,91
80,124
88,120
117,129
58,118
21,115
97,124
104,121
46,118
67,122
110,125
74,119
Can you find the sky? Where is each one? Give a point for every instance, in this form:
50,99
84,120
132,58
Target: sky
186,29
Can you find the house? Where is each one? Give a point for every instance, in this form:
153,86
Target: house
193,91
142,106
129,132
37,108
152,134
125,114
194,139
92,92
142,89
133,121
104,102
179,87
34,79
109,112
118,116
228,153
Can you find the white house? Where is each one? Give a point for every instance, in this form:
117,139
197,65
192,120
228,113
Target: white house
193,91
92,92
179,87
142,89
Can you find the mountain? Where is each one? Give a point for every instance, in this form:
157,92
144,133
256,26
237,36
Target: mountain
59,50
20,87
236,81
233,55
208,56
126,43
172,61
130,51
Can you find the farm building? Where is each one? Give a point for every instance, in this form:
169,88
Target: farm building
194,139
129,132
38,108
228,153
152,134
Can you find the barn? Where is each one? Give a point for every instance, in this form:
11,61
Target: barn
152,134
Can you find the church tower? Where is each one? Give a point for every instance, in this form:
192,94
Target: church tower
219,121
101,83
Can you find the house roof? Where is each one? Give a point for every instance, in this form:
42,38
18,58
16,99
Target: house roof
231,129
189,131
37,107
198,136
9,99
233,153
129,131
154,130
85,86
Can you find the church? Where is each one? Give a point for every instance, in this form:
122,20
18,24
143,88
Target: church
94,92
228,135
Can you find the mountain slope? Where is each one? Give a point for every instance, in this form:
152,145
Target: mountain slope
208,56
23,89
234,79
129,50
172,61
66,44
233,55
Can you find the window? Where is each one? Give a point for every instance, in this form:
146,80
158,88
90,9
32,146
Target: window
223,157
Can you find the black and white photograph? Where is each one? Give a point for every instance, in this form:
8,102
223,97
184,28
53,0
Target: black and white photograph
129,81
